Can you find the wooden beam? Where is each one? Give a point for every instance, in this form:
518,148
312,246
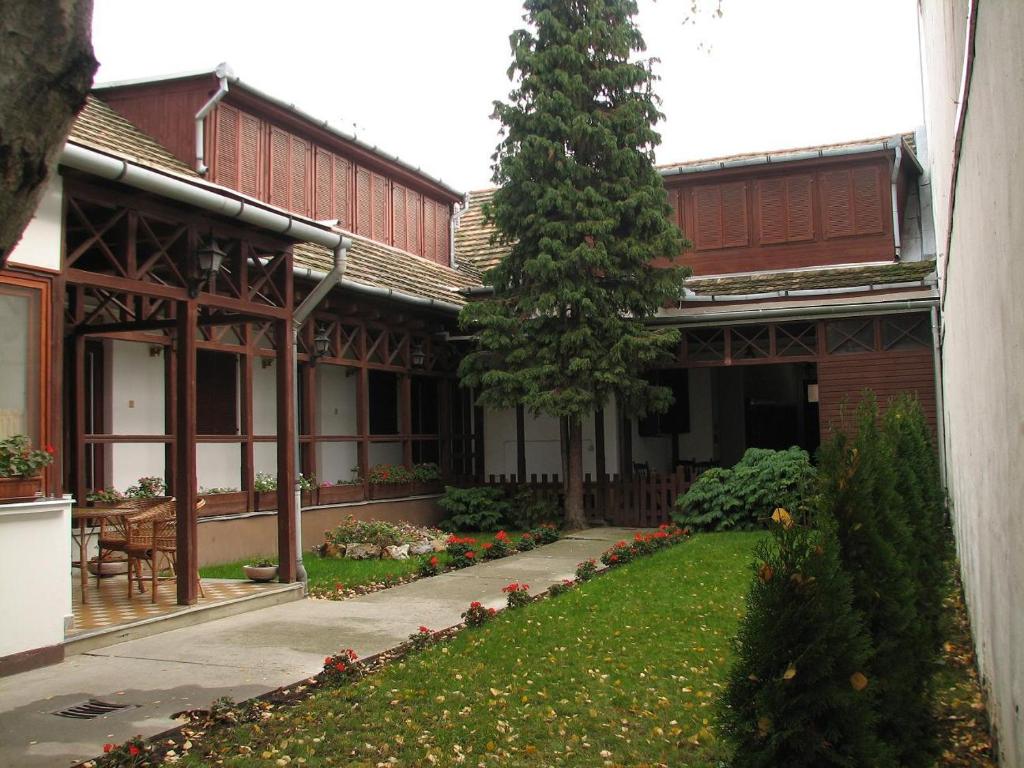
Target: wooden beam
286,427
185,481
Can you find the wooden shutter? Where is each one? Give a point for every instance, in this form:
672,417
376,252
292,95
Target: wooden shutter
867,201
836,205
400,232
799,208
734,215
342,195
363,202
414,213
379,209
323,185
707,213
442,225
299,161
720,214
250,155
279,170
429,230
784,209
226,152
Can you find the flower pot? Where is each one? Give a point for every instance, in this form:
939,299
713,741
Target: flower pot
337,494
107,567
20,488
260,573
224,503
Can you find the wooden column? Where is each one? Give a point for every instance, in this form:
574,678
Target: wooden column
185,454
520,444
171,417
405,415
308,426
363,425
248,447
286,427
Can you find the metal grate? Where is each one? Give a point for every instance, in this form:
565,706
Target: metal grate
90,709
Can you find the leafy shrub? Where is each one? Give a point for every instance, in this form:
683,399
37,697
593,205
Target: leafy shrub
546,533
389,474
473,509
743,496
147,488
530,508
462,550
560,587
499,548
426,473
340,667
430,566
264,482
19,459
516,594
421,638
476,615
526,542
134,752
619,553
586,570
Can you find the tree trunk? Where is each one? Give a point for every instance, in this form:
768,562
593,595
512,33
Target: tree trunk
575,519
46,69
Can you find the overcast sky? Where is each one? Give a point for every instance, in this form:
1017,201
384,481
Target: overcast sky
418,78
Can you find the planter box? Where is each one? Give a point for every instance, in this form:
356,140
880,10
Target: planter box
265,501
223,504
20,488
398,490
339,494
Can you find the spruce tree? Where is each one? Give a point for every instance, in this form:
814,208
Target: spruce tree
584,213
800,693
860,492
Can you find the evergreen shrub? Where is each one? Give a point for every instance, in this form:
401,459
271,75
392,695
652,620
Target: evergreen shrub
473,509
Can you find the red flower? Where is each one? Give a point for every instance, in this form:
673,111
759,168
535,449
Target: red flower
352,654
340,667
614,558
107,747
327,659
338,586
133,750
424,631
488,546
501,536
491,611
49,449
434,561
474,604
470,555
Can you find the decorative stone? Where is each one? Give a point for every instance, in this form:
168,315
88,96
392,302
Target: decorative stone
421,547
439,545
362,551
330,549
397,552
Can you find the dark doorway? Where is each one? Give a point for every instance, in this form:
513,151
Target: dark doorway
216,393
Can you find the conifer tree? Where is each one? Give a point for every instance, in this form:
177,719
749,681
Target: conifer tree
860,493
585,214
800,693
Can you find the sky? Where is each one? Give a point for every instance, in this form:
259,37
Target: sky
418,79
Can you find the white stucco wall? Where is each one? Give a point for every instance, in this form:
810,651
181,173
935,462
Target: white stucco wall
983,339
336,415
40,244
35,557
135,407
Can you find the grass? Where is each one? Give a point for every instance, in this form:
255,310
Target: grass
325,573
622,670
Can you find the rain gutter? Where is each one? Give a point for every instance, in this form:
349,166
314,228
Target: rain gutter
423,302
773,313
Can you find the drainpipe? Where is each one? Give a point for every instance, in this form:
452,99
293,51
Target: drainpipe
895,200
940,415
223,73
301,314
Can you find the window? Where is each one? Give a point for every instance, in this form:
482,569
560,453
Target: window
20,345
383,398
216,393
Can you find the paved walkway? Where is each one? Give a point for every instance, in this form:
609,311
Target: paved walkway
249,654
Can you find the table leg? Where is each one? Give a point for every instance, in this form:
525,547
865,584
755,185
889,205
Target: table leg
83,570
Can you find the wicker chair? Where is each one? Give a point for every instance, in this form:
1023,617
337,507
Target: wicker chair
152,534
114,531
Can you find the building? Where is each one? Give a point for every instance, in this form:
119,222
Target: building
973,78
223,292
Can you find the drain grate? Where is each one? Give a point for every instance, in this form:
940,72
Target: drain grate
89,709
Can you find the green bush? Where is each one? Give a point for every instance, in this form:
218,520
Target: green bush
743,497
473,509
530,508
800,693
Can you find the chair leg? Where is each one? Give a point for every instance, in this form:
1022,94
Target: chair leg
153,571
199,581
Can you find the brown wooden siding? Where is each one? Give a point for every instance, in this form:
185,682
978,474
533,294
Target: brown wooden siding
809,214
843,378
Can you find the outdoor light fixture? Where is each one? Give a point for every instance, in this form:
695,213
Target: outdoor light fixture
418,356
209,259
321,342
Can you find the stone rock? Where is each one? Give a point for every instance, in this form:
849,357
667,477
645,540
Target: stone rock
397,552
439,545
362,551
421,547
330,549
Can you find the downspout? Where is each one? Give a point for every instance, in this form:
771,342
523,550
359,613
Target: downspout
223,73
457,211
895,199
940,414
299,316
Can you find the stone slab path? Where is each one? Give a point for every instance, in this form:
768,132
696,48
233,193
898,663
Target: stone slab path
249,654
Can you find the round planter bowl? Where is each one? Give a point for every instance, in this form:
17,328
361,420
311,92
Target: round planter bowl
260,573
104,569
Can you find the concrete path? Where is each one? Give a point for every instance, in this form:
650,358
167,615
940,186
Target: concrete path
249,654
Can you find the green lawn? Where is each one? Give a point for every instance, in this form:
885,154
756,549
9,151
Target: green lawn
325,573
622,670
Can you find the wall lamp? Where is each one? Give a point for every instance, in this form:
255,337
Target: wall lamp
321,342
418,356
209,259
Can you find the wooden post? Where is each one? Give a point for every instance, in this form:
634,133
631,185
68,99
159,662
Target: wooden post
286,427
309,464
185,478
171,416
363,426
248,456
405,415
520,444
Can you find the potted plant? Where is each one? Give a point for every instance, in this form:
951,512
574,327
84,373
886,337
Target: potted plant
264,570
20,468
388,481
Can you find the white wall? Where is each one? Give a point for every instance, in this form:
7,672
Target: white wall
40,245
135,406
35,569
697,444
983,331
336,415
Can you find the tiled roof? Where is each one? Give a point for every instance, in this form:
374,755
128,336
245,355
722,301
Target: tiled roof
782,155
812,279
379,265
100,127
474,252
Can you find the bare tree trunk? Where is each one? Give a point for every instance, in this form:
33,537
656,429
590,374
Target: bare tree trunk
575,518
46,69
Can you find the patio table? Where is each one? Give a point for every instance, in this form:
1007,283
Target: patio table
81,515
